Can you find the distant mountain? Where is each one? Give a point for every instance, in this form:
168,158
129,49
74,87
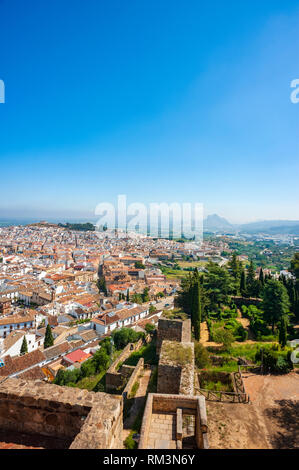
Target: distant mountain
214,223
271,227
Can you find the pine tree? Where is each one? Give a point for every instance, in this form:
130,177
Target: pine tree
49,340
24,347
276,302
218,286
145,295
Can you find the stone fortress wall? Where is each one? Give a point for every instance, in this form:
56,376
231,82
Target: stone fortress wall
86,419
176,362
175,403
115,378
173,330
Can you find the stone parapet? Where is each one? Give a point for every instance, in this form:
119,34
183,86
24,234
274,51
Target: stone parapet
178,405
94,420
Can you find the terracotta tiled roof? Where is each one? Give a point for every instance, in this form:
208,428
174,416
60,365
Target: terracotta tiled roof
57,350
77,343
35,373
12,338
52,320
14,319
77,356
88,335
17,364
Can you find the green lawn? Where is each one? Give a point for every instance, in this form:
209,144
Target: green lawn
89,383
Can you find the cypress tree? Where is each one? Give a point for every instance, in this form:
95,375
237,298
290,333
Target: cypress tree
196,311
24,347
200,301
235,269
283,335
252,283
128,296
49,340
261,277
243,283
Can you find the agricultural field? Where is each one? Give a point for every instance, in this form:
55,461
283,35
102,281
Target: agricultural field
192,264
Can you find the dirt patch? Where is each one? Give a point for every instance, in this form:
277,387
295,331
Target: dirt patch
270,421
235,426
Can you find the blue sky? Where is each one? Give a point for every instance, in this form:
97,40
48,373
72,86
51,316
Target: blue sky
164,101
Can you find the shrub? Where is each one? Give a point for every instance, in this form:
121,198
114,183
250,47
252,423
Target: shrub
223,336
241,333
130,443
66,377
100,387
88,368
275,360
124,336
150,328
134,389
267,337
106,344
201,356
282,365
148,352
244,310
101,360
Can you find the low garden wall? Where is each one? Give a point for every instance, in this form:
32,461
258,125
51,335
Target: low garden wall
234,380
239,301
225,378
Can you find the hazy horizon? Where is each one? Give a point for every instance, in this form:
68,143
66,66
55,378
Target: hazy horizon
73,216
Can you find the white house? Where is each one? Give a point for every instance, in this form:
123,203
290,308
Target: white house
12,344
16,322
118,319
